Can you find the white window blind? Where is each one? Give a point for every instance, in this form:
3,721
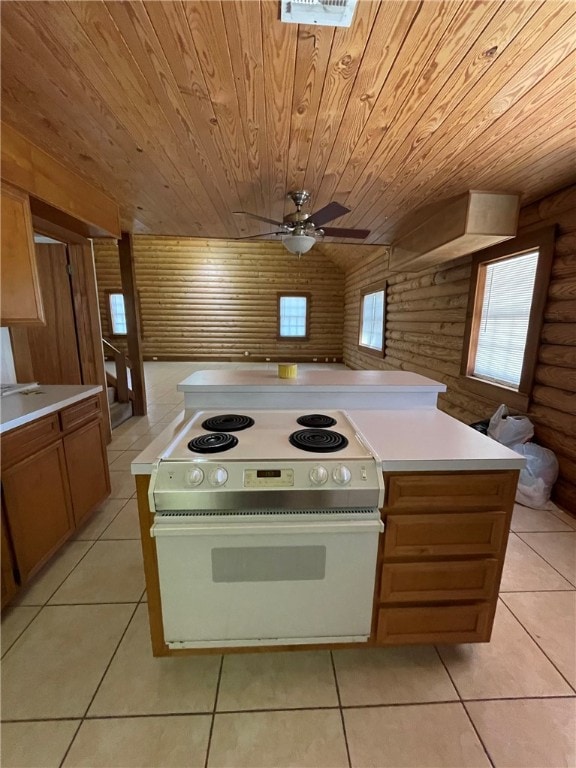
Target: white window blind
372,331
293,315
118,314
503,330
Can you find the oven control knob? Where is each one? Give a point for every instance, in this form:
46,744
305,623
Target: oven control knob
341,474
218,476
318,475
194,476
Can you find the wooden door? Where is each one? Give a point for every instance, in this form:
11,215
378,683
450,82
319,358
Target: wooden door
54,347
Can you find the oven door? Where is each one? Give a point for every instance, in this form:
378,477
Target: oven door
282,580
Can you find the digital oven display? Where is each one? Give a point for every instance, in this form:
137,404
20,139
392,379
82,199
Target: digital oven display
269,478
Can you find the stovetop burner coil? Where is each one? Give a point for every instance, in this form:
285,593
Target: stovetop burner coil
228,422
318,440
215,442
316,420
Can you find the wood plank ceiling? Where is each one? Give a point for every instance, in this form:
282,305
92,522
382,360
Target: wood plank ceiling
187,111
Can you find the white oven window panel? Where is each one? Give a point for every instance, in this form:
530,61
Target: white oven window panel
333,603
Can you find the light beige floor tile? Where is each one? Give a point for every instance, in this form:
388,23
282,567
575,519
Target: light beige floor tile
559,549
123,485
142,442
137,683
113,455
14,622
565,517
282,680
100,520
121,442
36,745
46,582
126,524
421,736
526,519
550,617
392,676
53,670
527,733
123,461
525,571
510,665
141,742
306,739
112,572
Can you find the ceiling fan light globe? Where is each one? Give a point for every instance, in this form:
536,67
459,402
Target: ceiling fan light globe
298,244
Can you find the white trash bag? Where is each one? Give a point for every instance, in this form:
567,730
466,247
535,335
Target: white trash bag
509,430
538,476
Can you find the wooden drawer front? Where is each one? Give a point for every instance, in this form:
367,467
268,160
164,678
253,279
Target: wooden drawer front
78,413
435,624
23,441
447,493
472,533
419,582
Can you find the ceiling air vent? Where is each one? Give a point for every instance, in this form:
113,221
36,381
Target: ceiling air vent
327,13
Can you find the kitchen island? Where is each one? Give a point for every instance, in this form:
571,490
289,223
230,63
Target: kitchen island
310,389
449,495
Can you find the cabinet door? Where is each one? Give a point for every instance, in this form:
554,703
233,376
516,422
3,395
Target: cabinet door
87,469
38,507
21,298
9,586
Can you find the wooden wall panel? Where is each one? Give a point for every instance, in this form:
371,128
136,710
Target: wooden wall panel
217,299
426,312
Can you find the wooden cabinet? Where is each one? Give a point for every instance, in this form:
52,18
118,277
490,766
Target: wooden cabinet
54,474
21,300
8,583
441,556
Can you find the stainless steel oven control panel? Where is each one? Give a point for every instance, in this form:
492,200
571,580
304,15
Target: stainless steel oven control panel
269,478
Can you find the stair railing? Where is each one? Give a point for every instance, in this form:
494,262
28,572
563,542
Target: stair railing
122,364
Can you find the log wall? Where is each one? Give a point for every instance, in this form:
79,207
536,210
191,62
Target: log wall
425,320
217,299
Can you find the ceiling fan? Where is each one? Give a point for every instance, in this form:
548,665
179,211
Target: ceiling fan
301,230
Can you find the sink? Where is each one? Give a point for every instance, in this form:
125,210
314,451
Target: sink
13,389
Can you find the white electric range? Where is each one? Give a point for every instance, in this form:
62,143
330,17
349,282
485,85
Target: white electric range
267,526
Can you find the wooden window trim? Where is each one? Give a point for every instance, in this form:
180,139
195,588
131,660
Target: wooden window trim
543,240
381,285
109,292
283,294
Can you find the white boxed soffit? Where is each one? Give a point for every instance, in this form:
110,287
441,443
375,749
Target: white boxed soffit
326,13
451,228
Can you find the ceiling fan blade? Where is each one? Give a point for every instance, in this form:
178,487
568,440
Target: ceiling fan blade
260,218
331,211
362,234
262,234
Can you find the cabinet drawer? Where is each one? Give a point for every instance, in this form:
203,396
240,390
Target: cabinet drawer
434,624
467,533
420,582
77,414
450,492
23,441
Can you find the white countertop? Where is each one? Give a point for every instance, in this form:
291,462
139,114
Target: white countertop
309,380
403,440
23,407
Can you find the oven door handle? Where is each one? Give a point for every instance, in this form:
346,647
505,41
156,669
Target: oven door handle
265,529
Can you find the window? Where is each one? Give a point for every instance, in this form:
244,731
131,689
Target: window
293,315
117,313
508,293
372,310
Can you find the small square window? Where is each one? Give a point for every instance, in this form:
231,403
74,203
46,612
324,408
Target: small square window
293,316
117,314
372,314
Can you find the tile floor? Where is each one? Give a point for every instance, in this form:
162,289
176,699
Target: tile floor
81,688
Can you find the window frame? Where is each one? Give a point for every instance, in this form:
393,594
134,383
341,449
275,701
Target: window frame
543,241
380,286
109,293
293,294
